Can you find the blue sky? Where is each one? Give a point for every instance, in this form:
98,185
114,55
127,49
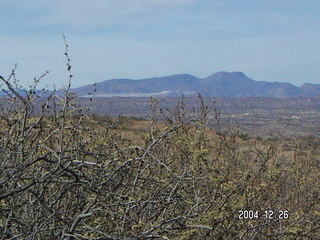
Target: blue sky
268,40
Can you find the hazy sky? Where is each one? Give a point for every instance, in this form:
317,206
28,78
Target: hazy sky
270,40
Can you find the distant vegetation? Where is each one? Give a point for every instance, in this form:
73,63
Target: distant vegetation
262,117
67,174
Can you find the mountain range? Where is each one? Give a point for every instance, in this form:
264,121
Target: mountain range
220,84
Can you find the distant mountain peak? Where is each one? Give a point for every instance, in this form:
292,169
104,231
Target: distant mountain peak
224,74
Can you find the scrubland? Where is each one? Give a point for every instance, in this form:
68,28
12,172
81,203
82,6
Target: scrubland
68,175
